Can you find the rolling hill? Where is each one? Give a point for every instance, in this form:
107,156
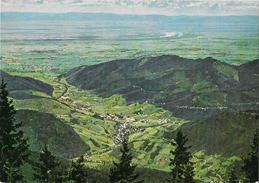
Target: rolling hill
191,89
22,87
76,121
42,128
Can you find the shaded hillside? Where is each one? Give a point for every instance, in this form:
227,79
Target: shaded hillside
43,128
224,133
249,81
191,89
22,87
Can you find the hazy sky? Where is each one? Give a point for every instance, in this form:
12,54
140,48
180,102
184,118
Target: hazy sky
164,7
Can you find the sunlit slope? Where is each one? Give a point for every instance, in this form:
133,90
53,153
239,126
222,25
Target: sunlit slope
98,122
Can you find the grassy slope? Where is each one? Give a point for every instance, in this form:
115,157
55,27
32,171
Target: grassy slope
97,119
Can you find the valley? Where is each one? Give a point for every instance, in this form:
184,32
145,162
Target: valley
100,113
81,81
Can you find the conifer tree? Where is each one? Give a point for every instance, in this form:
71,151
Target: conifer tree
182,170
47,170
251,162
233,177
14,149
124,171
78,171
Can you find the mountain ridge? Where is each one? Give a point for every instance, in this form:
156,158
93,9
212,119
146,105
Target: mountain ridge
173,82
21,87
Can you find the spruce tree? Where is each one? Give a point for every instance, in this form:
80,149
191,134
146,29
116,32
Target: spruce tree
233,176
251,162
182,170
47,170
124,171
14,149
78,171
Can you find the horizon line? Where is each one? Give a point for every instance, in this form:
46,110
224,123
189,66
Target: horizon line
125,14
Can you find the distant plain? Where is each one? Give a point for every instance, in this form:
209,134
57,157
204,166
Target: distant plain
53,44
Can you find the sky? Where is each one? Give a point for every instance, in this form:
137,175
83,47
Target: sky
162,7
